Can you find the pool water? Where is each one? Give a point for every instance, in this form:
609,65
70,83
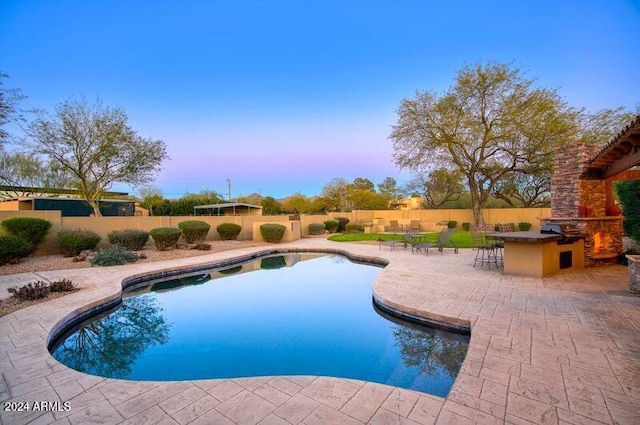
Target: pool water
296,314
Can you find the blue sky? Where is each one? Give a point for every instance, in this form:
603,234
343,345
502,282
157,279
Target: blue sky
282,96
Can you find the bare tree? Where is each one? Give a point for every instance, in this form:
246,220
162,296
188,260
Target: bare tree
97,146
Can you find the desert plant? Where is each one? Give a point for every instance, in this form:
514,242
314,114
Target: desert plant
165,237
272,232
30,291
203,247
13,249
452,224
332,225
130,238
317,228
524,226
629,194
73,242
32,230
342,223
354,228
466,226
194,230
115,255
62,285
228,231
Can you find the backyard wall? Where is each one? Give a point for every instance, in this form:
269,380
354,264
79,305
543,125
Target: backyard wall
103,225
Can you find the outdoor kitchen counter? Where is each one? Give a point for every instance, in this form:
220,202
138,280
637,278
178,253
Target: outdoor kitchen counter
538,254
529,237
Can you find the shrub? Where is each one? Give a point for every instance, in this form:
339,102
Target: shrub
229,231
73,242
524,226
13,249
629,195
194,230
272,232
342,223
354,228
452,224
332,225
115,255
62,285
32,230
165,237
203,247
131,239
317,228
30,291
466,226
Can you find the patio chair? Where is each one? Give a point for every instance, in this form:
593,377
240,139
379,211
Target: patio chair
394,226
486,251
442,242
414,225
408,240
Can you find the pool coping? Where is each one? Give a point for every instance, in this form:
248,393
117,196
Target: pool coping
503,379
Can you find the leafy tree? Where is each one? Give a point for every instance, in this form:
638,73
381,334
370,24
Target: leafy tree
335,192
389,188
96,144
528,189
296,204
363,199
270,206
493,122
184,205
602,126
364,184
438,188
152,198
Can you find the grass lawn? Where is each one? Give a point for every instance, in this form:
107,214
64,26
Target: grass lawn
461,239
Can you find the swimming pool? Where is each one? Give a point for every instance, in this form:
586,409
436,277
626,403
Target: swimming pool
293,314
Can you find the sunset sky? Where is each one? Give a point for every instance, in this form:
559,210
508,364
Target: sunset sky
282,96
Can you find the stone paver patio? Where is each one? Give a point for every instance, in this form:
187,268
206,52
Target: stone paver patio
564,349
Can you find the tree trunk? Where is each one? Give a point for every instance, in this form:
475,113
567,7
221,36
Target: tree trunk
96,209
476,206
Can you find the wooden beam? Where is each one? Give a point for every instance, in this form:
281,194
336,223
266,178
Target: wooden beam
622,164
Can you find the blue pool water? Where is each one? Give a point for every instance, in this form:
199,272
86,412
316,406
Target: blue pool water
296,314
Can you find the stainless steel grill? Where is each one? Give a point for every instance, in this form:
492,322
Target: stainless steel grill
569,231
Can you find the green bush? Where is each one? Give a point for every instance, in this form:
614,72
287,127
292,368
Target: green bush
115,255
466,226
354,228
13,249
165,237
629,195
317,228
32,230
272,232
73,242
524,226
30,291
452,224
131,239
342,223
332,225
229,231
194,230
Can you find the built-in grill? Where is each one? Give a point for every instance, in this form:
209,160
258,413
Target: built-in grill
569,231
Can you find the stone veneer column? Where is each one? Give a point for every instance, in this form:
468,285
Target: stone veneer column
567,190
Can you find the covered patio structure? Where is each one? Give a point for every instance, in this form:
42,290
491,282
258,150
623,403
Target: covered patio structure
228,208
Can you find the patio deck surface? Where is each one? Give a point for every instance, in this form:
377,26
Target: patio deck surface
558,350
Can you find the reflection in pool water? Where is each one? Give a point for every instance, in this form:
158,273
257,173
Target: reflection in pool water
316,318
